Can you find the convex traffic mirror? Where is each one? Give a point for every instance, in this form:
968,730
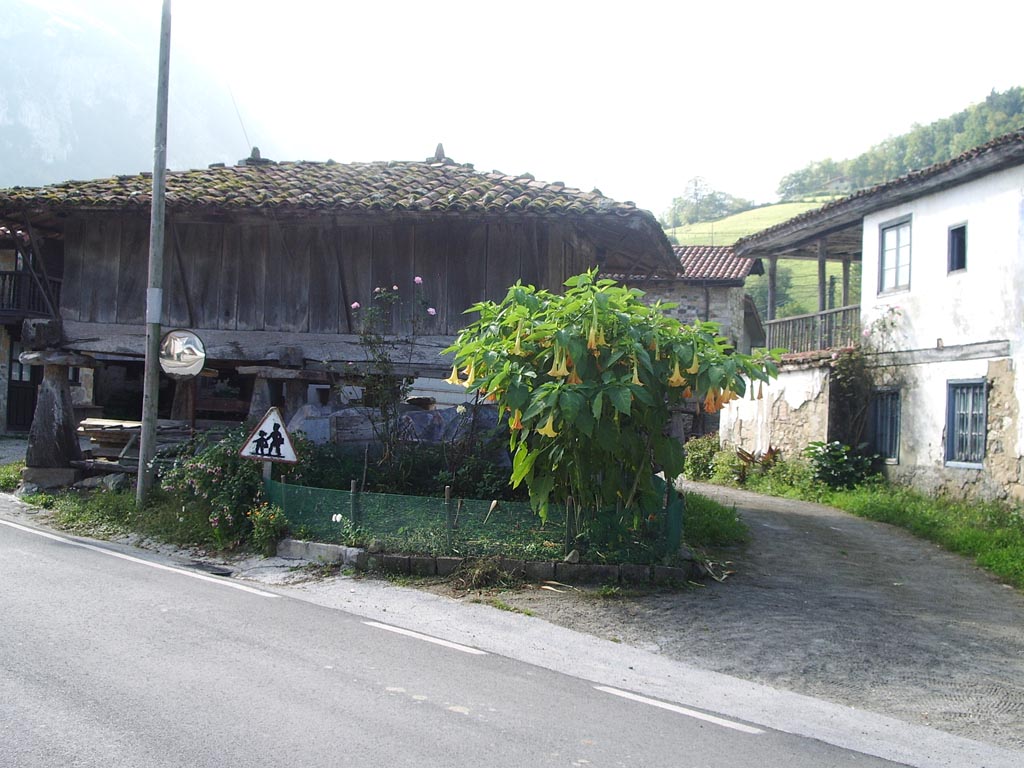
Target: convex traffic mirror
182,354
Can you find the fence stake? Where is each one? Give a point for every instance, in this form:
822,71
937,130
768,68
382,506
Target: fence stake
570,526
353,502
448,516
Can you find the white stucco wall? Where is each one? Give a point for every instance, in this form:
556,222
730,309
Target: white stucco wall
942,320
791,412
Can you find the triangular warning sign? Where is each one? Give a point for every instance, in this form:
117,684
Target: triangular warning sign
270,441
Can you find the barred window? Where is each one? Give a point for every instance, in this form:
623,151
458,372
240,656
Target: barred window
966,408
885,423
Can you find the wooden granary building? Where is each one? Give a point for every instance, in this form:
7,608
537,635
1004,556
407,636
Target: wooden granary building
266,261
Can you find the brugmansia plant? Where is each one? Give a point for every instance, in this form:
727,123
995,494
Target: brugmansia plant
586,380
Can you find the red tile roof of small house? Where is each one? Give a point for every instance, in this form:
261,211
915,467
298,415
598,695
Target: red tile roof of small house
715,263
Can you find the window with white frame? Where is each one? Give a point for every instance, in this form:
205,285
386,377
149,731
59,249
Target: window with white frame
894,261
885,424
966,406
957,258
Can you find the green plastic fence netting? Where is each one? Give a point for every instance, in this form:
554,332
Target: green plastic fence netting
419,524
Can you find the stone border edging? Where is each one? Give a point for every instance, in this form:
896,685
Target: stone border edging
533,570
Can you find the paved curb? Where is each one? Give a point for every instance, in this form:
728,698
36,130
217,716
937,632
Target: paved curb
537,570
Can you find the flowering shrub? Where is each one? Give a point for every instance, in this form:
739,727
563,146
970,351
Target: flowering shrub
268,526
222,483
586,380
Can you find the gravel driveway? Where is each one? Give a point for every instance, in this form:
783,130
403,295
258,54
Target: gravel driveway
833,606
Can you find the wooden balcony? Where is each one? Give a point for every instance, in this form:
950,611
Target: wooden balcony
20,296
831,329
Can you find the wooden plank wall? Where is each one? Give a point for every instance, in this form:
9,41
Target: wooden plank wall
303,277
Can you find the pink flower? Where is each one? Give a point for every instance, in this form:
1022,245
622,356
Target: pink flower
865,333
418,280
394,287
431,311
356,305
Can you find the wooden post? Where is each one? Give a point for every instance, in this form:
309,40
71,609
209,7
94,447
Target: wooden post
570,525
822,253
448,516
155,292
353,503
846,281
773,272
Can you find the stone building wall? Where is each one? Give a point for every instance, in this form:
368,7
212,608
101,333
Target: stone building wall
791,412
921,464
724,305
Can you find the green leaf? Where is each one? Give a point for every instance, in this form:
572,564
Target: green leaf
522,463
621,399
598,404
570,403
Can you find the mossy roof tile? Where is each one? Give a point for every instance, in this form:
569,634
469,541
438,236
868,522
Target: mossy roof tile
333,187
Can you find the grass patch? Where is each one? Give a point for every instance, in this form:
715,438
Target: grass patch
10,476
501,605
991,533
706,523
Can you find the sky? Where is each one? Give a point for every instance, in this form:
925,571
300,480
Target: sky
633,98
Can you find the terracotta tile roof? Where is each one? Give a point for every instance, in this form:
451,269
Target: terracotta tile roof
327,186
713,262
1002,152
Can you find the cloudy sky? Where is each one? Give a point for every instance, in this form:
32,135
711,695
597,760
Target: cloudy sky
632,97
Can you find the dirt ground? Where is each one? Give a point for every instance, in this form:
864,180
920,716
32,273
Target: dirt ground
833,606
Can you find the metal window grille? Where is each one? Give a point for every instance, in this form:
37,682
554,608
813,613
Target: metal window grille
966,427
887,424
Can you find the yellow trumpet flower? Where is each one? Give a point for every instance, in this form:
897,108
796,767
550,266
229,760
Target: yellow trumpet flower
696,364
676,379
636,376
600,338
470,375
558,367
518,348
454,378
592,337
711,401
574,378
517,422
548,430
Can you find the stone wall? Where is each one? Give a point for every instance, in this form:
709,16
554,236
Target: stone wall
1002,471
722,305
791,412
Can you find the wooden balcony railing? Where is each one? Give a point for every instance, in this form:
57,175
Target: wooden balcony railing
20,295
831,329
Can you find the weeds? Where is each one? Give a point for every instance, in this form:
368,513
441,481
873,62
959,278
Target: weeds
10,476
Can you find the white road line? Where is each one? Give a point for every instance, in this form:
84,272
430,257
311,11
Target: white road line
159,566
428,638
680,710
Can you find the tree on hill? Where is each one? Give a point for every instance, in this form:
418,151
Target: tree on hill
700,202
924,145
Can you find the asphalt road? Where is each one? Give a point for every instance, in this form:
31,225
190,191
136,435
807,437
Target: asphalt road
111,657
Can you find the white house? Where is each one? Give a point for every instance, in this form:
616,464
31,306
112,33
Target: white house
942,319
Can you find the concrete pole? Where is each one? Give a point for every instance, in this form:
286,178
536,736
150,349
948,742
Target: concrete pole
154,294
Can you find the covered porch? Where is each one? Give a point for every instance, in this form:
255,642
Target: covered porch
811,236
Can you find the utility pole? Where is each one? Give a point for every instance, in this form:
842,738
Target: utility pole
155,291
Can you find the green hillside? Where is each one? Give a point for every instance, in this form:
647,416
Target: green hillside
730,229
797,279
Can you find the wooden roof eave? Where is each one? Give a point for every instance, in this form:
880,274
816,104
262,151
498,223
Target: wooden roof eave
806,230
